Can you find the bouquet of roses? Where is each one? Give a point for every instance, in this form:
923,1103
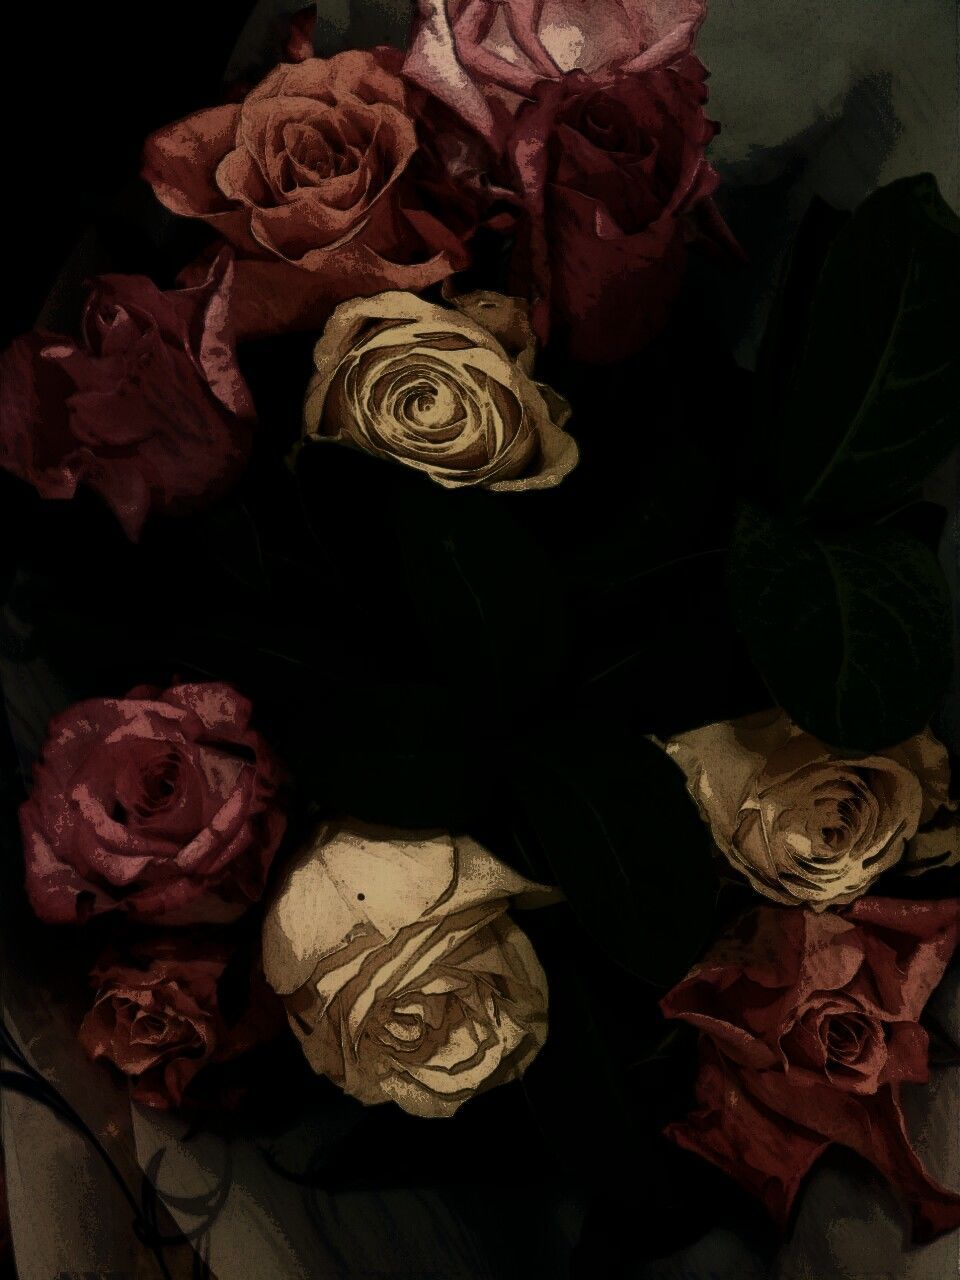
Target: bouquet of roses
440,616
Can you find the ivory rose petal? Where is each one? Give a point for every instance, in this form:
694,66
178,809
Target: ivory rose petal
402,975
433,389
804,824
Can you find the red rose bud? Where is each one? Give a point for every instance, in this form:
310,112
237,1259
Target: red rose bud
149,408
809,1029
161,804
157,1017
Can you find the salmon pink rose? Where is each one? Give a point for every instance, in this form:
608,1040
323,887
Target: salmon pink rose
149,408
160,804
810,1029
319,180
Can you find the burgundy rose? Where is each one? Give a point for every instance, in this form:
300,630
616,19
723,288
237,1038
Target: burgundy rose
319,179
481,57
157,1017
611,173
809,1030
160,804
149,408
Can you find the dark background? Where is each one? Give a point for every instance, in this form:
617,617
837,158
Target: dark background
94,81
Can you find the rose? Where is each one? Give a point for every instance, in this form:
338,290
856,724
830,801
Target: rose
315,178
611,174
475,55
160,804
433,389
804,823
157,1017
809,1030
149,408
401,973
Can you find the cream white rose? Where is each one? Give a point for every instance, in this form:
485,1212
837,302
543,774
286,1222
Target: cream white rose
806,825
401,972
432,387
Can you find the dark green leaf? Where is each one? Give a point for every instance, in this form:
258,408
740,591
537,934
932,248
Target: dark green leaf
625,843
851,631
783,339
874,404
487,596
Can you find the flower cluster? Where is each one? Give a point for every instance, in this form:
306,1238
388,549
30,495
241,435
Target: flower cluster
523,180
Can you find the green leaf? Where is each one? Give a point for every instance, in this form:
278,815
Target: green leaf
487,596
625,843
874,403
851,631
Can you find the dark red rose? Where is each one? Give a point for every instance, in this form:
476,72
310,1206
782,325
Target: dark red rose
149,408
610,172
809,1030
319,180
160,804
157,1017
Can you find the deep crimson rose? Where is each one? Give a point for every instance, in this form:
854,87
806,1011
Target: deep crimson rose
160,804
149,408
809,1030
319,180
157,1016
481,56
611,173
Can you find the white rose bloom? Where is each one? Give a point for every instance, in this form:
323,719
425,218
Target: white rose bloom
402,974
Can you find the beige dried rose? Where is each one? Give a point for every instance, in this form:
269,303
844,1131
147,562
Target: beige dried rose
803,823
446,390
401,972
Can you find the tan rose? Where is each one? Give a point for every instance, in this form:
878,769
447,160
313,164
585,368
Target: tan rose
433,388
806,825
401,972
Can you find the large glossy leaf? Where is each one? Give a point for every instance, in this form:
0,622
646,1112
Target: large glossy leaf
851,631
625,843
874,402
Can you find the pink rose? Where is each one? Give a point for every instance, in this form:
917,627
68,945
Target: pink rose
809,1027
157,1017
149,408
160,804
481,56
610,172
320,181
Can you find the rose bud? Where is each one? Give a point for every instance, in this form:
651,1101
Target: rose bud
157,1017
432,388
160,804
402,974
802,822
